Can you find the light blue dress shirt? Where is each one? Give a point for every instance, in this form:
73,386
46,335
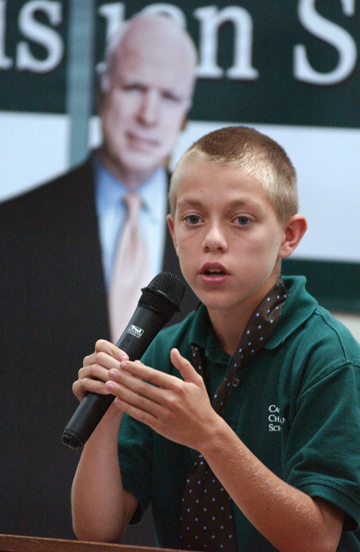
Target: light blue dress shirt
111,212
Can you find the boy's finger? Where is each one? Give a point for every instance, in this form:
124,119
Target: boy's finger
138,370
106,347
185,368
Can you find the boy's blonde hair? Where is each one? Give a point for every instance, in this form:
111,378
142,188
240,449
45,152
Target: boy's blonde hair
251,151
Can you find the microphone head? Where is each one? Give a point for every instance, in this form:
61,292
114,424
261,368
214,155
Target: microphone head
163,295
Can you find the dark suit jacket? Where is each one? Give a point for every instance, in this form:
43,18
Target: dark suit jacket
53,308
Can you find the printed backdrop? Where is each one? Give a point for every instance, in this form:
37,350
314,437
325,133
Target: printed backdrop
289,68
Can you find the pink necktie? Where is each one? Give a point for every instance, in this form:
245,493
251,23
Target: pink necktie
131,270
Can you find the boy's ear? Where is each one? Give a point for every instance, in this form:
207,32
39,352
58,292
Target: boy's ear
171,225
294,229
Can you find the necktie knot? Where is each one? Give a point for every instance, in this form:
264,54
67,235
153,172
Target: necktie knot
133,204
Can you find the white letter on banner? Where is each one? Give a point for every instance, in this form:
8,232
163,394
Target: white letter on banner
5,62
167,9
330,33
40,34
211,19
114,16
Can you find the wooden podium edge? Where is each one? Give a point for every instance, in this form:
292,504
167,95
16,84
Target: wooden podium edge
15,543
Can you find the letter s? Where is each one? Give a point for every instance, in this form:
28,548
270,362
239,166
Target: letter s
330,33
40,34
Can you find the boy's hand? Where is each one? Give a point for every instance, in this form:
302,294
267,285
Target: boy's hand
178,410
95,370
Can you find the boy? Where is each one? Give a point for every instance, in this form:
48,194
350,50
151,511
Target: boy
244,434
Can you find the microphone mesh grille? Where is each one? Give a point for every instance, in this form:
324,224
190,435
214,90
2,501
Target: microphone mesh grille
163,295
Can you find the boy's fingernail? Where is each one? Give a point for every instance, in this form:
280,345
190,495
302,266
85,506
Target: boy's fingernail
112,373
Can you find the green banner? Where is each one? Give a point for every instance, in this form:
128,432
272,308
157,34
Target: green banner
280,62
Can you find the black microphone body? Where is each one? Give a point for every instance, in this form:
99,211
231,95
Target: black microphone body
156,306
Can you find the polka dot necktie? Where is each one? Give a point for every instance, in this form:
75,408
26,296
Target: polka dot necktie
207,515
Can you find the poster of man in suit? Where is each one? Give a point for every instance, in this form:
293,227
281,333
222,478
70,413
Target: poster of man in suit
59,246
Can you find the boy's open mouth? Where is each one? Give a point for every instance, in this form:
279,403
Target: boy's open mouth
214,272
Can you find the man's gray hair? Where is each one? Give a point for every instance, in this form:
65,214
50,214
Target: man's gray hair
116,40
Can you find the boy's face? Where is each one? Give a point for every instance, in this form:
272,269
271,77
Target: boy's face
227,236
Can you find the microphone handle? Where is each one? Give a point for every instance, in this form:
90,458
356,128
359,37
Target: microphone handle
144,325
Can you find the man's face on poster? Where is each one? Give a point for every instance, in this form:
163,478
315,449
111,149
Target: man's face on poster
144,107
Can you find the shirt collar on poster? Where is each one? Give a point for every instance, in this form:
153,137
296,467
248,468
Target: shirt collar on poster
111,211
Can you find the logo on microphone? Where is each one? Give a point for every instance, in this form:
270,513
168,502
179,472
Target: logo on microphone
135,330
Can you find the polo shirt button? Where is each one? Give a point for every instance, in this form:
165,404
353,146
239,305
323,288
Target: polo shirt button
235,382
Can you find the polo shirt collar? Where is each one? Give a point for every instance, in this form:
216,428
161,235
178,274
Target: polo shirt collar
202,333
298,307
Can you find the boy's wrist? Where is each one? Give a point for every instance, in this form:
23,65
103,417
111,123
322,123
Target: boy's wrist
108,427
214,439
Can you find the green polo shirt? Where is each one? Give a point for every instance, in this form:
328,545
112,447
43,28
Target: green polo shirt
295,405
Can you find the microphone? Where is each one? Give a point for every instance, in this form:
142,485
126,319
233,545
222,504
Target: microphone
158,303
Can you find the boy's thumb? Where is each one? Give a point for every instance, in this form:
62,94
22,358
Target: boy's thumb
185,368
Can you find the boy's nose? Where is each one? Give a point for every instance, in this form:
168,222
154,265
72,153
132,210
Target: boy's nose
215,239
149,108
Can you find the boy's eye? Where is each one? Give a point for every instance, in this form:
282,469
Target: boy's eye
192,219
243,220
